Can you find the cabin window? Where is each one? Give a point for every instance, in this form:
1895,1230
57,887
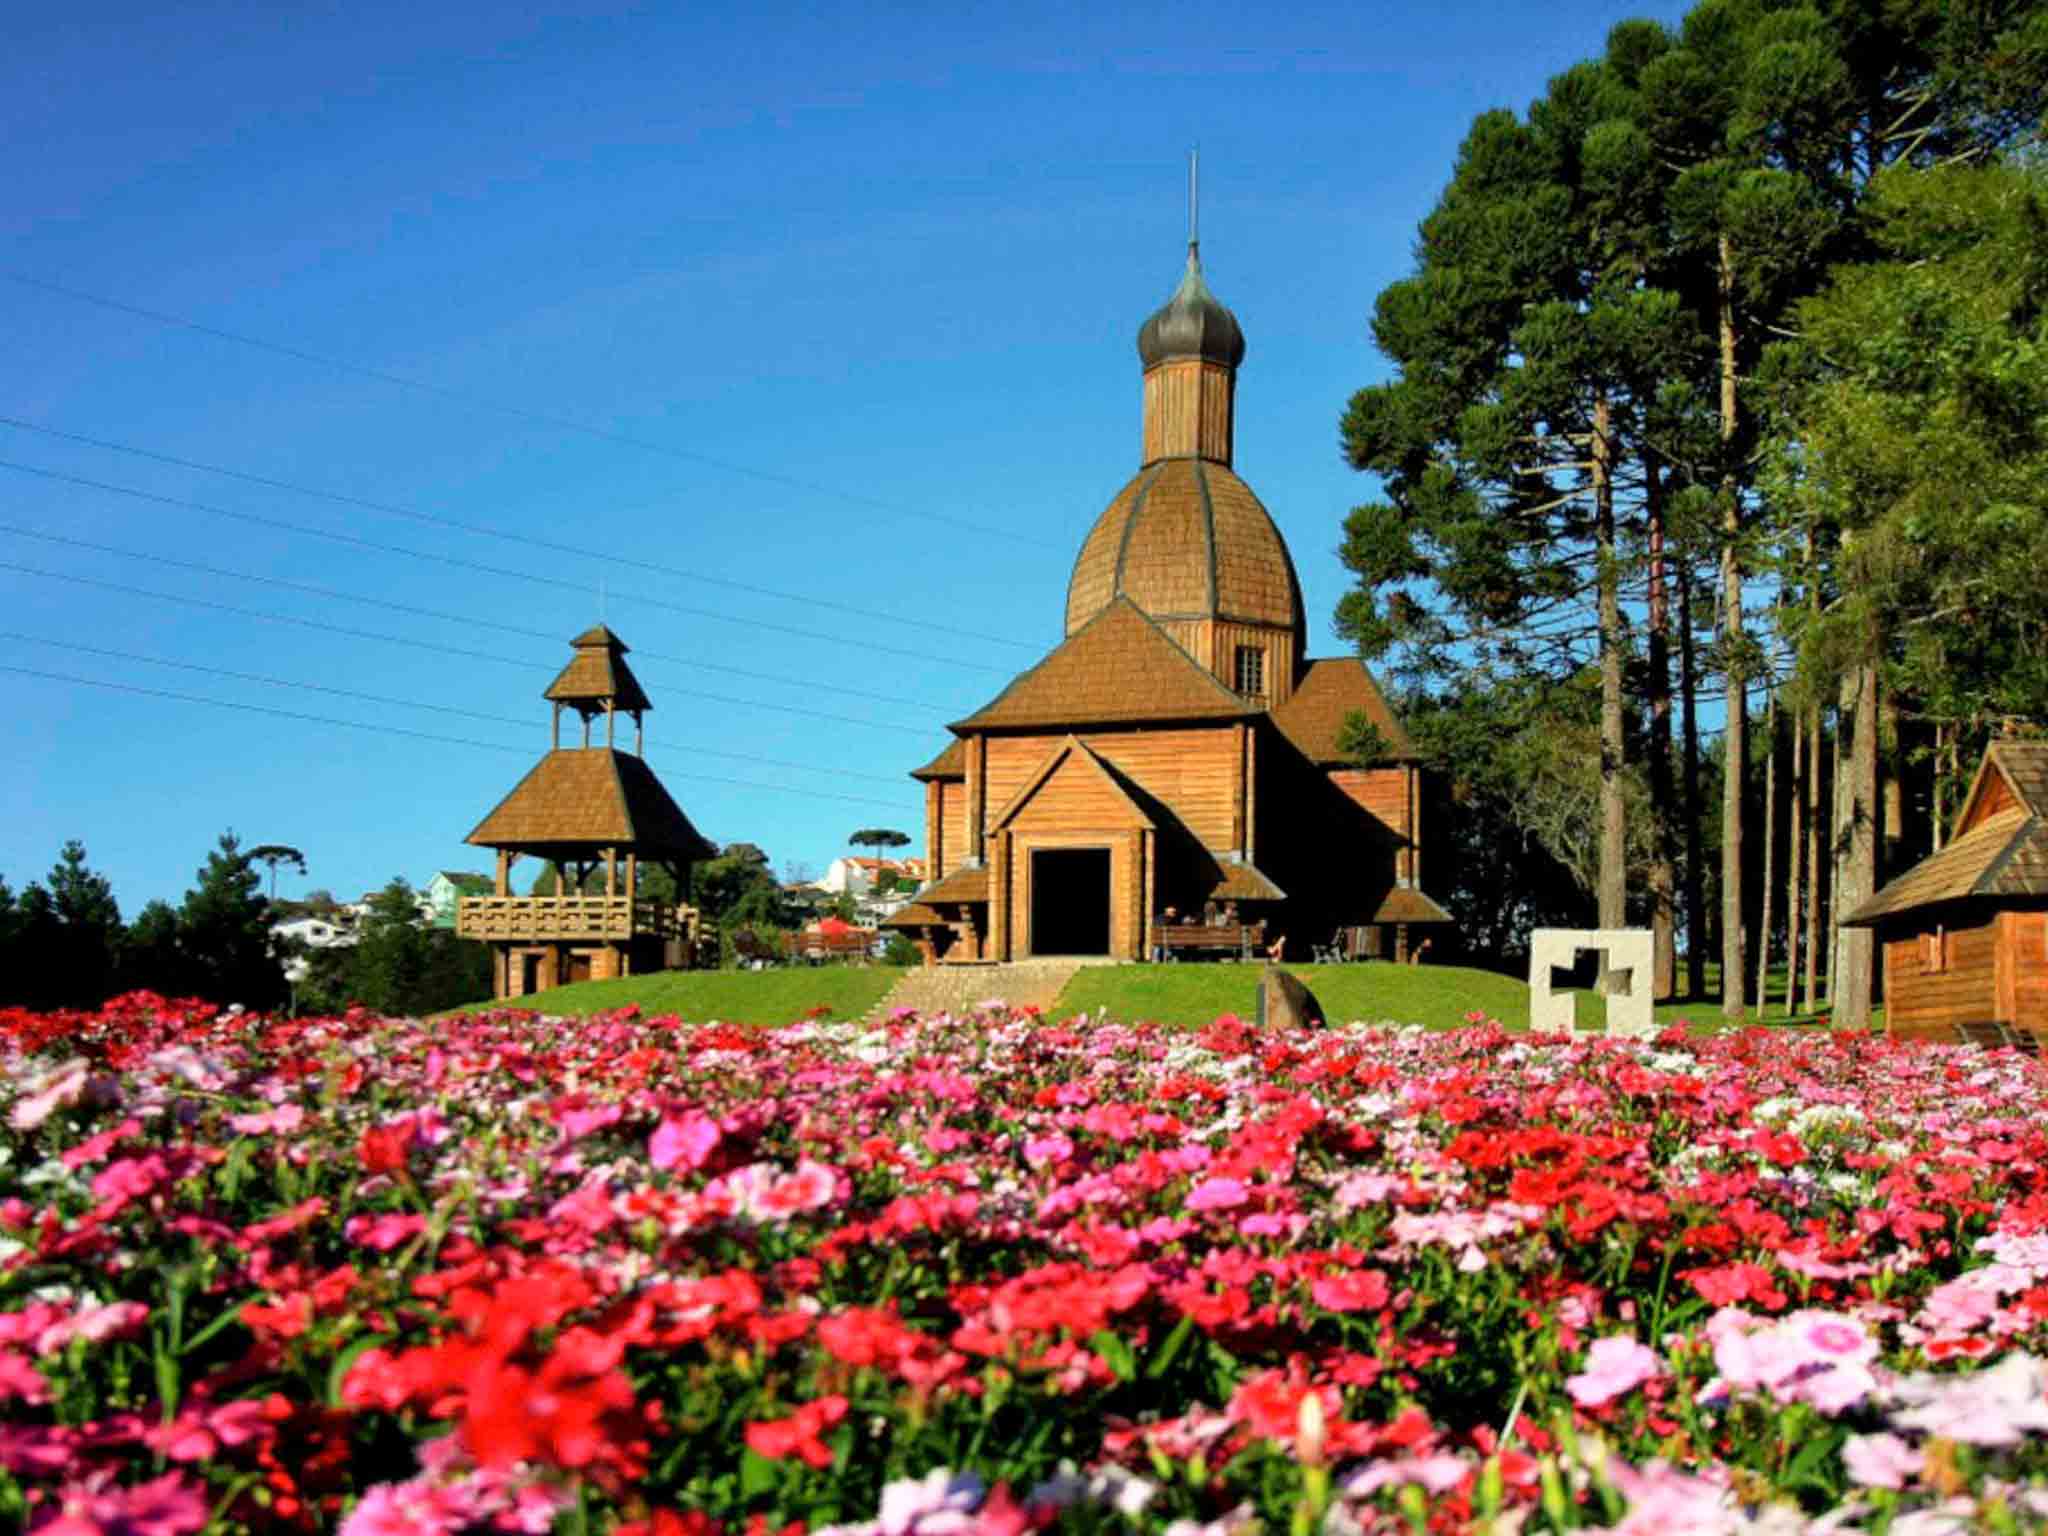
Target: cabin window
1251,671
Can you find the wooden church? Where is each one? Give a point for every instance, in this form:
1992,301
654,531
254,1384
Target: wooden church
1964,933
1175,760
586,809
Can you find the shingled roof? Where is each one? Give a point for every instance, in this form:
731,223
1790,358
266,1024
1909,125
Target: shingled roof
949,764
1118,667
1242,881
2003,851
596,797
1329,691
598,672
1405,904
970,884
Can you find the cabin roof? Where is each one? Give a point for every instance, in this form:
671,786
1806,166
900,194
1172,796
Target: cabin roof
2002,851
594,797
1313,718
1120,666
949,764
1243,881
916,915
1406,904
2005,854
969,884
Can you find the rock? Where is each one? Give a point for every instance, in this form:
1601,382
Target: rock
1284,1003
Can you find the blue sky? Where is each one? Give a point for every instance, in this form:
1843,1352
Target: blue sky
844,297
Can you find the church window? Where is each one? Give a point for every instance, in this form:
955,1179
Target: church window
1251,671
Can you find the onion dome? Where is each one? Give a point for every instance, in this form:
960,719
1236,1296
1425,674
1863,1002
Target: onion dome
1193,324
1187,539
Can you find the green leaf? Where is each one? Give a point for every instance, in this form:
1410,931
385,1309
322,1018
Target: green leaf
757,1474
1157,1366
1115,1353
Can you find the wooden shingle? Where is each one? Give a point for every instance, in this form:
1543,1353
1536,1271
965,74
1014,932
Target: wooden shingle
1328,692
596,673
597,797
1121,667
949,764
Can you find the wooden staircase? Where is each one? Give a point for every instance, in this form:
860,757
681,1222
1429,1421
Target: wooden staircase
963,988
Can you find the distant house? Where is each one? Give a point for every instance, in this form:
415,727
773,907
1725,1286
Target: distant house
445,891
858,876
334,930
1964,933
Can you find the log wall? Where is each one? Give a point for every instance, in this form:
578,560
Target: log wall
1192,770
1926,1001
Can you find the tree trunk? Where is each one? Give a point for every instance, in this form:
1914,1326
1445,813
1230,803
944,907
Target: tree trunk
1859,819
1613,879
1695,854
1663,868
1891,852
1795,856
1813,740
1770,831
1734,669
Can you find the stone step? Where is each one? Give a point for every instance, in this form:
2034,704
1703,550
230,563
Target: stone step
962,988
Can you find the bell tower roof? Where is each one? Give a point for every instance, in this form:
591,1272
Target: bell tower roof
597,677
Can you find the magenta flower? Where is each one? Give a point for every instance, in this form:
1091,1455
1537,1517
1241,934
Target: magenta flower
686,1140
165,1506
1217,1195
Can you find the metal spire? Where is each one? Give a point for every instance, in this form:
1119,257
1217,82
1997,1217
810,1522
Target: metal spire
1194,200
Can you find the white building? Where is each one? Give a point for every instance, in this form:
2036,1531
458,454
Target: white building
858,876
312,932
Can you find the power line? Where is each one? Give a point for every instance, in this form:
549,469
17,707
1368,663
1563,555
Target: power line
379,698
518,413
485,530
399,730
286,583
421,645
456,561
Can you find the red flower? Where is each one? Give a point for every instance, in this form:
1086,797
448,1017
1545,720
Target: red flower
384,1148
798,1434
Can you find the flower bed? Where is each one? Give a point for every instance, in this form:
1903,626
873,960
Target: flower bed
995,1274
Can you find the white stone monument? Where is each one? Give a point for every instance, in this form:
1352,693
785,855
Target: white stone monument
1625,963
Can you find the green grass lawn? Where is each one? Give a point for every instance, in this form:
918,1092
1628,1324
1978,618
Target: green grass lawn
737,997
1196,992
1439,996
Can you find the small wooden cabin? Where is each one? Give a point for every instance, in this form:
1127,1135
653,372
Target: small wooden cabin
586,809
1964,933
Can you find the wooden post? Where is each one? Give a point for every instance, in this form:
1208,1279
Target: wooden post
639,734
1237,789
503,885
611,870
1251,794
632,876
610,717
556,738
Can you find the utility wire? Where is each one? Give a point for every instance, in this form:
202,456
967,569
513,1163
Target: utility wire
46,537
456,561
485,530
379,698
517,413
399,730
422,645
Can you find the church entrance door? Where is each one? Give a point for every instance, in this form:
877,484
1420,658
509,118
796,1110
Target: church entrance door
1070,901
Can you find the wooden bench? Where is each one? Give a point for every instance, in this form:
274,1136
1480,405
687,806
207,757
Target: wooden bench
1239,939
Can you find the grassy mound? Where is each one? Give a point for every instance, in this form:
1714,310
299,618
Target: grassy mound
737,997
1436,995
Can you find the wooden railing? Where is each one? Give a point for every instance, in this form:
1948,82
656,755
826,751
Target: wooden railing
550,918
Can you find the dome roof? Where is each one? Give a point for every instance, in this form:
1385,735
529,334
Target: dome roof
1193,323
1187,539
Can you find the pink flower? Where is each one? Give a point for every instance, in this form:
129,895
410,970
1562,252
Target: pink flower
1881,1461
59,1088
812,1187
686,1139
165,1506
1614,1365
282,1121
20,1380
1357,1290
1040,1151
384,1232
1217,1195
